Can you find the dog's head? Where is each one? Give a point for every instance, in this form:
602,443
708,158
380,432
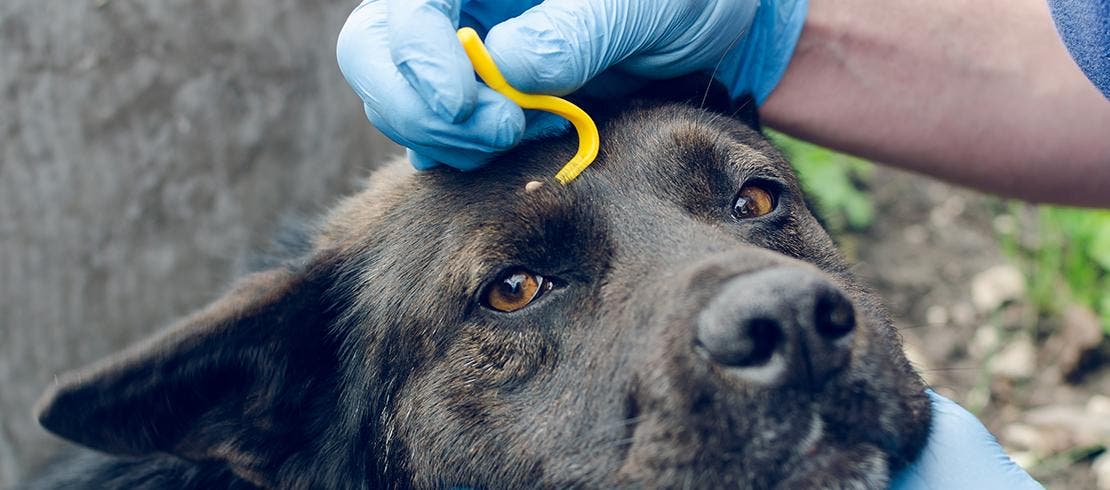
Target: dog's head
676,316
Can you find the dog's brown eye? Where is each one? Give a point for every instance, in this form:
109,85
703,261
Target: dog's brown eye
753,201
515,289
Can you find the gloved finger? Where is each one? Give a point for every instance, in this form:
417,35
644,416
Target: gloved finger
423,45
464,160
360,49
432,157
496,125
420,162
395,108
557,46
961,453
538,124
429,156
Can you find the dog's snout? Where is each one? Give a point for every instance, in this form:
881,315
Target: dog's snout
787,311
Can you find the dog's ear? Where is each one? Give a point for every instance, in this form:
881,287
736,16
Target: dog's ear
245,380
701,90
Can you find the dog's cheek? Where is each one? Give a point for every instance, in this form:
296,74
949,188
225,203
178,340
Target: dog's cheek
484,358
466,397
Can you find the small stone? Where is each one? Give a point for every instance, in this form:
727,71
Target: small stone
1024,459
532,186
994,287
936,315
1069,426
1023,437
977,397
1099,406
943,215
1005,224
1017,360
983,343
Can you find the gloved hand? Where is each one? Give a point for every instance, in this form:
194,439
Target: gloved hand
961,454
417,86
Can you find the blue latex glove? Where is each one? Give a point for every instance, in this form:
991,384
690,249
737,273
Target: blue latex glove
417,86
961,454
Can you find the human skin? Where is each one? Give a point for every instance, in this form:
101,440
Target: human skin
981,93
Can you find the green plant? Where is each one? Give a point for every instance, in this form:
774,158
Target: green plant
1065,255
834,181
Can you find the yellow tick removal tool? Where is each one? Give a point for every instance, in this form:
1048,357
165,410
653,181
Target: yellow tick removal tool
588,140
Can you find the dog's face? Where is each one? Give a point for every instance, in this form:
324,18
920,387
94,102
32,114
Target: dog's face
674,317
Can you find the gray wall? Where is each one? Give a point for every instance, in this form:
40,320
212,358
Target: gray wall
147,147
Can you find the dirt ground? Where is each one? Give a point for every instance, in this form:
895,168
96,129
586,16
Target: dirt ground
1040,385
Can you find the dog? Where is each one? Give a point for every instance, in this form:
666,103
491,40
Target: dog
675,317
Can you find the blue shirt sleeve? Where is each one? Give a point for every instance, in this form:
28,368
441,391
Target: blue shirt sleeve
1084,25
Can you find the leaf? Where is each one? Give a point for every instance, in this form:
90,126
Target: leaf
1099,248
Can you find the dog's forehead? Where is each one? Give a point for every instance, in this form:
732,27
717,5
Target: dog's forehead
665,152
668,153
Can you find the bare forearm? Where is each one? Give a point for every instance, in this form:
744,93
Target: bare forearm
977,92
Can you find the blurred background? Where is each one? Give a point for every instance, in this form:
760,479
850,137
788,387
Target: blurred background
149,147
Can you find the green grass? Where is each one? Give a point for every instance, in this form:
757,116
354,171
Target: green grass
1065,255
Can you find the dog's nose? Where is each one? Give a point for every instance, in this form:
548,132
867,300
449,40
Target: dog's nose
783,310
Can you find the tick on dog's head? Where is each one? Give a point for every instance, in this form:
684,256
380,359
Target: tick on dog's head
676,316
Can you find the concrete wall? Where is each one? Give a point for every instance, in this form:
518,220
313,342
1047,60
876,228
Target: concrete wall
145,148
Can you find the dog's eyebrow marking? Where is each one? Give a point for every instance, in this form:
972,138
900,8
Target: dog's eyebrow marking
532,185
747,157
